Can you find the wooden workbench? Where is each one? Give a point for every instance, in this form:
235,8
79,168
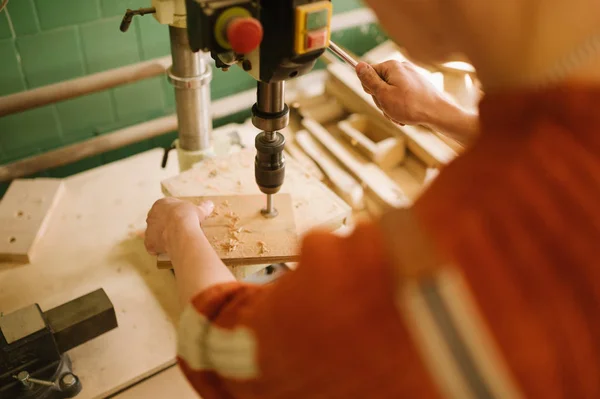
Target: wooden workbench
89,244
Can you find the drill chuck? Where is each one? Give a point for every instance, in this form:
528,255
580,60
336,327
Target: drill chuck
269,165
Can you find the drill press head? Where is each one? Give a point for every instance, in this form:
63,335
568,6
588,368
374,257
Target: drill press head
274,41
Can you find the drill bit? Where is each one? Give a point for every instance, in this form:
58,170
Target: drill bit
270,211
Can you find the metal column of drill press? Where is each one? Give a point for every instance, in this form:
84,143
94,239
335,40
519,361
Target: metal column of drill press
270,114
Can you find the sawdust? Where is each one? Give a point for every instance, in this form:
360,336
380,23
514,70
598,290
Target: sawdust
229,245
262,248
213,173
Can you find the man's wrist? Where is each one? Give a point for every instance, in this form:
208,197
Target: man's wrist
450,119
180,232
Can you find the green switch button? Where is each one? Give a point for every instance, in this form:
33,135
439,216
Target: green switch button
317,19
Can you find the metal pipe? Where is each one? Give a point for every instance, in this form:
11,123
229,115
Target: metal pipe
112,141
95,146
50,94
190,75
270,97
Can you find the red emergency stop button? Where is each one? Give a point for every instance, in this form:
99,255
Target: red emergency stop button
244,34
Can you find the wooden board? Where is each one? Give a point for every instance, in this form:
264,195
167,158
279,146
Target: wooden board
315,205
25,211
369,137
241,236
346,87
343,184
377,183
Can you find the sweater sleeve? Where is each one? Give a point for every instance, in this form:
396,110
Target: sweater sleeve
329,329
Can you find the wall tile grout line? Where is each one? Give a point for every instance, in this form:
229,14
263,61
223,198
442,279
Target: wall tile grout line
81,51
36,15
10,24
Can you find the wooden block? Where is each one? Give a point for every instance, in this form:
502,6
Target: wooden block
343,184
25,212
374,179
346,87
241,236
315,205
374,141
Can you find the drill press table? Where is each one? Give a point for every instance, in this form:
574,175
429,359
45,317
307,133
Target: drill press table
90,244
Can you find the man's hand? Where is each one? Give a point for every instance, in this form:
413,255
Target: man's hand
170,216
403,94
406,97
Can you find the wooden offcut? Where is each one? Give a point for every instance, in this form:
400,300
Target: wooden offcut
343,184
25,212
425,144
242,236
377,184
374,140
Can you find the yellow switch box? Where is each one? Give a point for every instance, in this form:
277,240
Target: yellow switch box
313,26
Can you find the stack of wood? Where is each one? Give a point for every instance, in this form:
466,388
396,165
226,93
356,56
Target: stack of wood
372,163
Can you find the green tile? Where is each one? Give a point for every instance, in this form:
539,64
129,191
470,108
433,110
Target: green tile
11,78
83,117
340,6
23,17
231,82
57,13
3,188
5,31
106,47
110,8
164,141
35,128
125,152
50,57
154,37
360,39
76,167
139,100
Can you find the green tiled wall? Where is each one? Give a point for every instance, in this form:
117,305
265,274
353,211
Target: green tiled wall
48,41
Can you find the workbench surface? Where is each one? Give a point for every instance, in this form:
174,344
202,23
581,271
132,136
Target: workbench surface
90,243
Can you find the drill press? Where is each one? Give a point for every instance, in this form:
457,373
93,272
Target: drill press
274,41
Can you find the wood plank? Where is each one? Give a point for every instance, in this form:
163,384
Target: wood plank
374,140
241,236
377,183
25,211
346,87
315,205
343,184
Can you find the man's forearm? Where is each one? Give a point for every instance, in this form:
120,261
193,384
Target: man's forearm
197,265
453,121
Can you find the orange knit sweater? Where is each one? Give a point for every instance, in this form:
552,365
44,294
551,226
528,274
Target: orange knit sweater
519,214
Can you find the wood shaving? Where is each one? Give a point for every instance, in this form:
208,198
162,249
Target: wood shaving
213,173
225,204
230,245
233,216
262,247
211,187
